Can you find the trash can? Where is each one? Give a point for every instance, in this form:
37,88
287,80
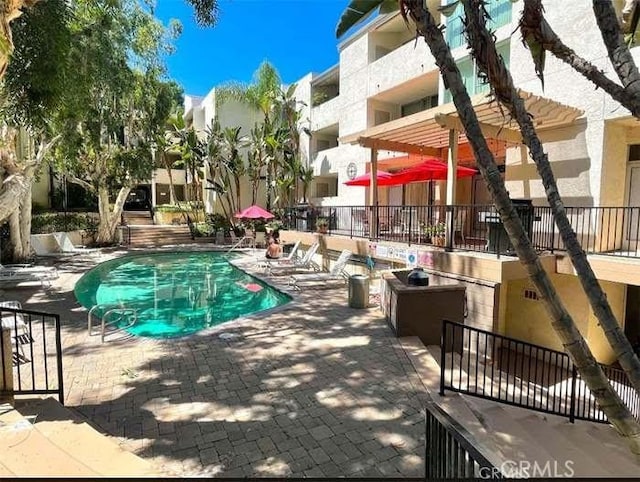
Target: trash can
359,291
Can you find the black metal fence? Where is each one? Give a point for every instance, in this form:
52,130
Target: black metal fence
496,367
612,231
30,353
449,454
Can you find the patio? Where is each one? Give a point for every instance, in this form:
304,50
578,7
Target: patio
313,389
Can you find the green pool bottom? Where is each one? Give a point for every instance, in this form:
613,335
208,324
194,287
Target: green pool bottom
176,294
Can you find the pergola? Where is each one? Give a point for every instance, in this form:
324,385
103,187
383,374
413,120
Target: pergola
429,131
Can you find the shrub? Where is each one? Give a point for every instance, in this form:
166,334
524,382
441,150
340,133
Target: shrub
53,222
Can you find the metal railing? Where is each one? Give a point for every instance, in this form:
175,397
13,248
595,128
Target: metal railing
449,452
500,368
30,353
610,231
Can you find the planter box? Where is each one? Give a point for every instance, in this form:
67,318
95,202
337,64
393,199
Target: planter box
419,310
171,218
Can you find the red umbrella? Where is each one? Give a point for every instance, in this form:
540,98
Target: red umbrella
254,212
429,170
384,179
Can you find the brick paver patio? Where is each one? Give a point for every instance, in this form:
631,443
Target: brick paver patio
312,389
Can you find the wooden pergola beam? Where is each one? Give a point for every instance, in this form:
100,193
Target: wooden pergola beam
381,144
452,122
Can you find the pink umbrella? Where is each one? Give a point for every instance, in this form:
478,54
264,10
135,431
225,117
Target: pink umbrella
254,212
384,179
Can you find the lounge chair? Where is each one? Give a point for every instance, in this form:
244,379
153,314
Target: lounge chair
289,258
265,264
20,334
66,245
18,273
305,263
337,274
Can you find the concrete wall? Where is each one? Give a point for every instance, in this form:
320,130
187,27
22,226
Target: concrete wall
526,319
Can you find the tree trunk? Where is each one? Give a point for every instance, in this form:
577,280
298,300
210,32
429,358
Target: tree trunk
25,223
20,229
489,62
109,218
534,26
572,340
172,188
18,178
618,51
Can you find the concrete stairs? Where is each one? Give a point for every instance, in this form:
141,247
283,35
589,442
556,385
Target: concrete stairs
137,218
158,235
44,439
512,437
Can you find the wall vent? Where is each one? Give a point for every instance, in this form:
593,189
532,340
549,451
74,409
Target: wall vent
530,294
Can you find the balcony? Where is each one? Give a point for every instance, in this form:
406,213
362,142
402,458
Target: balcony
405,63
499,13
604,231
325,114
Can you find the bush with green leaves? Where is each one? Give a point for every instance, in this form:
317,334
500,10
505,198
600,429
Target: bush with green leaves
53,222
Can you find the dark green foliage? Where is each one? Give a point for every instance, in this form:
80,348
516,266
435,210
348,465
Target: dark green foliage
36,77
55,222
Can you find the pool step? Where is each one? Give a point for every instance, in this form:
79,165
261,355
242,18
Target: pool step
157,235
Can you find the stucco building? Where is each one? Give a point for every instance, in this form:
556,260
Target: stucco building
384,103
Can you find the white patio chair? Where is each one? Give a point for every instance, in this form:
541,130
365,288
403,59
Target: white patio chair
20,334
305,263
337,274
25,273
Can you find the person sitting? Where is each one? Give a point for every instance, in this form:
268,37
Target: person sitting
274,250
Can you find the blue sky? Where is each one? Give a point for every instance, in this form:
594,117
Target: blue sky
296,36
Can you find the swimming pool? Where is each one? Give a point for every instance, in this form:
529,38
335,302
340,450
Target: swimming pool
176,294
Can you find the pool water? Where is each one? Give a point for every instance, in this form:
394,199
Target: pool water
176,294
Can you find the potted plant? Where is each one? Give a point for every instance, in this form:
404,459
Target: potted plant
273,226
436,233
322,224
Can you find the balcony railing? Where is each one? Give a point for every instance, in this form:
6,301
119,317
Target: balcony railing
610,231
499,13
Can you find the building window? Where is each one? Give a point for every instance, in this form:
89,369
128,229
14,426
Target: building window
469,72
634,152
499,13
325,186
419,105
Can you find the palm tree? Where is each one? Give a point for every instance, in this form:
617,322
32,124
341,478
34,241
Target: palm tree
261,94
562,322
495,71
256,159
233,164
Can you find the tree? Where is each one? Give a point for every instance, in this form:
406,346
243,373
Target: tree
495,72
206,14
562,322
261,95
32,90
112,113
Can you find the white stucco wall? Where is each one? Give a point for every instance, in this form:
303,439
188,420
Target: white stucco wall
592,148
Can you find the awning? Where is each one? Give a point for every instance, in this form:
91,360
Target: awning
427,132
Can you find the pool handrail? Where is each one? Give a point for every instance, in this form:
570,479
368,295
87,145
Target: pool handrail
110,308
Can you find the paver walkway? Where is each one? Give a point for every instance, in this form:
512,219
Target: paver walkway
313,389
